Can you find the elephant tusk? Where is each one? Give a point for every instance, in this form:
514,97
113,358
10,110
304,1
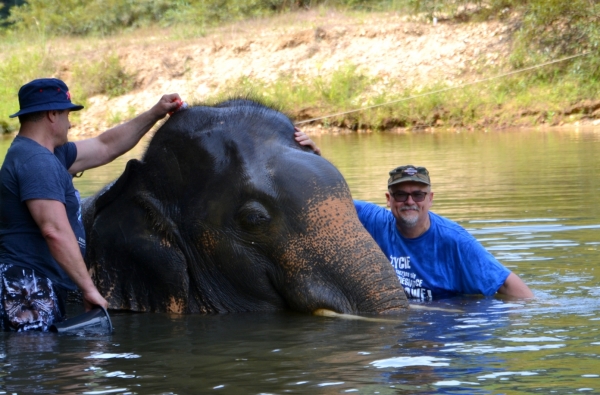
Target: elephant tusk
333,314
429,308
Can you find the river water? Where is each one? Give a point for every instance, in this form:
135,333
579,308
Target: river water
530,197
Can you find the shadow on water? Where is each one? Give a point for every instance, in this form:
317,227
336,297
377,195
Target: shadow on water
530,197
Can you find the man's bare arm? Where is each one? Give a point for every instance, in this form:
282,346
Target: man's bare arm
515,287
113,143
51,217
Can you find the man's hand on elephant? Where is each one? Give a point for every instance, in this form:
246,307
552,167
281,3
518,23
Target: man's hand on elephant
304,140
167,104
93,298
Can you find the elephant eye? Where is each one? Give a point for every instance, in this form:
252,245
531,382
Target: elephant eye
253,215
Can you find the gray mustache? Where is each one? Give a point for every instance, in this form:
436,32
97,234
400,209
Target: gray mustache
413,207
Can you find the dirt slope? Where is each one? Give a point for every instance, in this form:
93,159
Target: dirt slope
305,44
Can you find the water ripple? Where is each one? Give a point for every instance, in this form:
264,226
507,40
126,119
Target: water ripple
532,339
111,356
503,374
399,362
490,349
530,229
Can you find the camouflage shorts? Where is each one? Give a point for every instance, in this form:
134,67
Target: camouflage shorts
28,301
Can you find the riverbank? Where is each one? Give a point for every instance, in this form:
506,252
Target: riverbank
317,63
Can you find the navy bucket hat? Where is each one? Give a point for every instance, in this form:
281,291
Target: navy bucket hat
45,94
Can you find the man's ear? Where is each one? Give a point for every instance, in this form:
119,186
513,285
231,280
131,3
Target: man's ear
51,115
388,197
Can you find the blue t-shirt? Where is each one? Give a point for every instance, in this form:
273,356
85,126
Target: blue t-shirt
31,171
446,260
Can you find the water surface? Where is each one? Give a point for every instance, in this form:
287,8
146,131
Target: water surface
530,196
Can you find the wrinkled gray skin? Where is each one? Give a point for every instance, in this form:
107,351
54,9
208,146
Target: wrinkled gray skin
226,212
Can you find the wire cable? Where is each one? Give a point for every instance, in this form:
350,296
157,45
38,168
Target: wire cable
445,89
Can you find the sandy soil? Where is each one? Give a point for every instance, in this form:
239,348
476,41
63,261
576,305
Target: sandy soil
401,52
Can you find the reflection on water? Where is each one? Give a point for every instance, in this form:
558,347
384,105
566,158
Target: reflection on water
529,196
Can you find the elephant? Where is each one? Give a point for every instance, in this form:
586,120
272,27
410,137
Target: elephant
226,212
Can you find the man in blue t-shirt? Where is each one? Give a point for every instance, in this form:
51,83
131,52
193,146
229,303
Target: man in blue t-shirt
42,240
433,256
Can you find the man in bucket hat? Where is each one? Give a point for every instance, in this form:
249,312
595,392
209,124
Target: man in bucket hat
42,240
433,256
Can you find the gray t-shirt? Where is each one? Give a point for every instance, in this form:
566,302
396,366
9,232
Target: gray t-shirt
31,171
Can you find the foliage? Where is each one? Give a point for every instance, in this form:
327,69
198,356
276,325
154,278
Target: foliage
5,6
549,28
556,28
88,78
78,17
16,70
542,30
364,106
83,17
339,90
105,76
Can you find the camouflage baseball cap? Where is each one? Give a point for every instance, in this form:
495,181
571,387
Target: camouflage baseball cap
409,173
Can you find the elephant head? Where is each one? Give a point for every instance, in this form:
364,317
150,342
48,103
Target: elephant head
226,212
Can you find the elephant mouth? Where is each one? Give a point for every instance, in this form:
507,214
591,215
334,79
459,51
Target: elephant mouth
318,296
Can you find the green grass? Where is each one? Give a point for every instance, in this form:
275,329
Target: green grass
347,88
31,47
15,70
88,77
104,76
523,99
116,117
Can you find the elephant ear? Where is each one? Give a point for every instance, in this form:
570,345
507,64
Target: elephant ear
90,206
115,189
134,248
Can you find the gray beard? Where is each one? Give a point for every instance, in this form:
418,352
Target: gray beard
411,221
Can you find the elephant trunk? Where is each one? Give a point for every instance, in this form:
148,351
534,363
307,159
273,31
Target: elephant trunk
370,284
338,266
381,289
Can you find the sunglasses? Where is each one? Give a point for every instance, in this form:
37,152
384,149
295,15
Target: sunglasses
402,197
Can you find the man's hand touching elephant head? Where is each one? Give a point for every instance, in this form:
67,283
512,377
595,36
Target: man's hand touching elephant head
304,140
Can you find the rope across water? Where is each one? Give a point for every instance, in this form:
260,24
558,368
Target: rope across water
445,89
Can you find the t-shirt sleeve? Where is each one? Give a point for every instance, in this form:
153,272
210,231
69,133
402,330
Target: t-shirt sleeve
374,218
359,204
481,272
66,154
40,178
364,211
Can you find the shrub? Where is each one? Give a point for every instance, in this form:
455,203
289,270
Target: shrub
16,70
77,17
106,76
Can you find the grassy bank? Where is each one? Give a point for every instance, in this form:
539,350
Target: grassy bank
522,100
23,59
33,45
